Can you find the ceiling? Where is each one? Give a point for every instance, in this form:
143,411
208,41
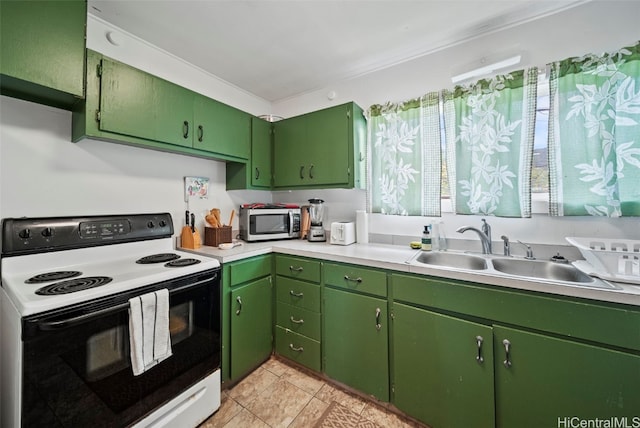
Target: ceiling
280,49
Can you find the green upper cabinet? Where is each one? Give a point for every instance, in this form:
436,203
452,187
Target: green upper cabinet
126,105
316,150
42,58
140,105
219,128
258,172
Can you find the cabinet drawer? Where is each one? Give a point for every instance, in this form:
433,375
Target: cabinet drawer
357,278
246,270
296,267
299,320
298,348
299,294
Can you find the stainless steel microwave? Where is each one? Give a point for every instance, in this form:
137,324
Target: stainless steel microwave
260,222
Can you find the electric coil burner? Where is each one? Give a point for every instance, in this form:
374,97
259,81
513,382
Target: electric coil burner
73,285
64,323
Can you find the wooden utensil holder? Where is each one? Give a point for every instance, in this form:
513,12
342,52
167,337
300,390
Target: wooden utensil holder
214,236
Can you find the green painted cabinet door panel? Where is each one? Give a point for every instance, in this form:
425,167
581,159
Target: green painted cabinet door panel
261,157
437,377
43,50
137,104
219,128
355,341
290,152
328,146
550,379
251,326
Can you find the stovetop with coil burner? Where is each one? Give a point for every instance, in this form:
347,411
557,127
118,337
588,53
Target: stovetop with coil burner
55,262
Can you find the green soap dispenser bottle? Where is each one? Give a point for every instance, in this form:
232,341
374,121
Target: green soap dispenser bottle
426,238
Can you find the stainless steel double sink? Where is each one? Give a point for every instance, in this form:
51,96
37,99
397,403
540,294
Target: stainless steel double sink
547,271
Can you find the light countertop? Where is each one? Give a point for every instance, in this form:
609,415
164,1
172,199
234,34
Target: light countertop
397,258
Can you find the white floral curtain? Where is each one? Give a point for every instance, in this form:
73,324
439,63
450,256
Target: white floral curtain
594,135
404,165
489,144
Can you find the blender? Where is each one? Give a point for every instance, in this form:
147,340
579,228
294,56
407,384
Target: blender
316,211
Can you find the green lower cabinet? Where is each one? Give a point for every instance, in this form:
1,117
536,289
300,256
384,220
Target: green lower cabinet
355,341
442,368
251,326
547,381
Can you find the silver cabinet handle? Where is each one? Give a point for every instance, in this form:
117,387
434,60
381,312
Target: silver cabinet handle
257,173
295,321
302,172
296,268
348,278
311,172
239,300
293,348
295,294
479,357
507,350
378,325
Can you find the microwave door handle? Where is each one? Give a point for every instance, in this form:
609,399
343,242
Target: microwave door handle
73,321
290,225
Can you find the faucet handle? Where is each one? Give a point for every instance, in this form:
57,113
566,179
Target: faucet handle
529,255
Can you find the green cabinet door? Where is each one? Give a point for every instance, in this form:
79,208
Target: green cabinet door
290,152
442,368
43,50
261,153
219,128
251,326
137,104
355,341
329,146
545,381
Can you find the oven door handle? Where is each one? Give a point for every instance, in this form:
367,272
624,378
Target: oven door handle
70,322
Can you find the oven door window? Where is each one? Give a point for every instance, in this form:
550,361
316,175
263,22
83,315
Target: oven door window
81,375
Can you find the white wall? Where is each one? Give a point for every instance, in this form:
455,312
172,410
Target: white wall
596,26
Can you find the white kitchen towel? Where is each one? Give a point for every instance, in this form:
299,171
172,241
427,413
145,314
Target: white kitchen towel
149,337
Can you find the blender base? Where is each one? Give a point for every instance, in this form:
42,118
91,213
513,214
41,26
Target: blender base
316,234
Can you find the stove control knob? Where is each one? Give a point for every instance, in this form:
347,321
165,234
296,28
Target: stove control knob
47,232
25,233
163,223
150,224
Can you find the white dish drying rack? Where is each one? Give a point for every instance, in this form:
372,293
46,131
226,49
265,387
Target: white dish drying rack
610,259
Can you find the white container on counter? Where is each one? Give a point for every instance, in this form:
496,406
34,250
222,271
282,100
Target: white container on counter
362,227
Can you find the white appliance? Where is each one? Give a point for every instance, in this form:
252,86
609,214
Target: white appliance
66,284
343,233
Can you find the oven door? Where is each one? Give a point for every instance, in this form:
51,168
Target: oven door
77,369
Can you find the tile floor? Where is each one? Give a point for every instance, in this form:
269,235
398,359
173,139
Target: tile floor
277,395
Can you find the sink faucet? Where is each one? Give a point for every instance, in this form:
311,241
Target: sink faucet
507,247
484,235
529,255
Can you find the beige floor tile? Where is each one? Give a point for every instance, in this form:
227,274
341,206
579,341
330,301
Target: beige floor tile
246,419
310,414
275,366
385,418
279,404
303,380
247,390
229,408
329,393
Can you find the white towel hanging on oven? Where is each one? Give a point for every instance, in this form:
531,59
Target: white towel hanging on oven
149,335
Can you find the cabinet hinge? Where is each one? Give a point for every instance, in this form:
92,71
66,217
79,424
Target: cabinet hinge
349,114
392,316
98,115
99,70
